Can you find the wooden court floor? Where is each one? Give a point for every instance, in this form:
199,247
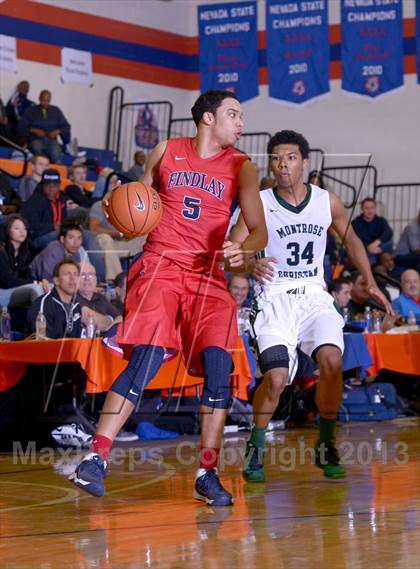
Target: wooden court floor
296,520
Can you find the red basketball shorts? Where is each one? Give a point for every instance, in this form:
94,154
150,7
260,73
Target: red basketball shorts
177,309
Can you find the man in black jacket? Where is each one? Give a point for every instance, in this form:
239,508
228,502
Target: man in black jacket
60,306
374,231
45,209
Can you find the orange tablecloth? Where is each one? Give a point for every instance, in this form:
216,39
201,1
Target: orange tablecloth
395,352
102,366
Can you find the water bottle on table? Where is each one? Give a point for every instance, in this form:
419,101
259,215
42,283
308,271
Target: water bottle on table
91,328
41,327
411,319
368,320
5,327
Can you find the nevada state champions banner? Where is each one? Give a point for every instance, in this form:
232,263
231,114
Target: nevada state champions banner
298,50
228,54
418,38
371,46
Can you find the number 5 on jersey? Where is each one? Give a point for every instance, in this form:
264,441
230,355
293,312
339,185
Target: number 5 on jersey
192,208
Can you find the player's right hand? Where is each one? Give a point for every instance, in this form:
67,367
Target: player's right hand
263,271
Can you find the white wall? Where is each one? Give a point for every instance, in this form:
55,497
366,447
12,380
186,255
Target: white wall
389,126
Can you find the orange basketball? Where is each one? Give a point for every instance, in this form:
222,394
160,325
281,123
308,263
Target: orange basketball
134,209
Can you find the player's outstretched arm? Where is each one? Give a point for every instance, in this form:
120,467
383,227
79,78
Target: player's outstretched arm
239,252
355,249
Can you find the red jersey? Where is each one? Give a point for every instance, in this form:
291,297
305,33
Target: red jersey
196,194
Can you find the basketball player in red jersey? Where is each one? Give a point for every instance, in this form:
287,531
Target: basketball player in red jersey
177,298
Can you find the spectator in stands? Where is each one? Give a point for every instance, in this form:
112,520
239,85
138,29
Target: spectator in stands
62,311
28,183
315,178
43,124
16,106
17,286
387,275
120,284
266,183
9,200
409,299
68,245
239,289
137,169
103,312
407,254
374,231
45,209
76,191
99,189
360,296
113,244
5,129
340,290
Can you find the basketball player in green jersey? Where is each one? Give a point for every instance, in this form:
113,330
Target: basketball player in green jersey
293,305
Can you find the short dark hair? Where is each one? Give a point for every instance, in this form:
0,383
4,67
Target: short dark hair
120,278
362,203
354,276
209,102
35,156
69,225
65,261
335,286
289,137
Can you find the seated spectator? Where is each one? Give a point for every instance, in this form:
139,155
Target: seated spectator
137,169
374,231
103,312
28,183
360,297
386,265
68,245
45,209
43,124
340,290
9,200
239,289
99,189
120,284
62,311
113,243
266,183
5,128
315,178
16,106
409,299
407,254
17,287
76,193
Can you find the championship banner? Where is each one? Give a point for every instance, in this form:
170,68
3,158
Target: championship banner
418,39
228,51
298,51
371,46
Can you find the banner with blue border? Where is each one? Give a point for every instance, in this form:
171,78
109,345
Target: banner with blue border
228,52
298,52
418,39
371,46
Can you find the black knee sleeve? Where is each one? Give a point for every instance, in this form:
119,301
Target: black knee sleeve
144,363
217,364
271,358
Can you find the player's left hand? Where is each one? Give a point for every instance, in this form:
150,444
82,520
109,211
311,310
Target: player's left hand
234,253
378,295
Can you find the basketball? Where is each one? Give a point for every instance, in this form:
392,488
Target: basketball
134,209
